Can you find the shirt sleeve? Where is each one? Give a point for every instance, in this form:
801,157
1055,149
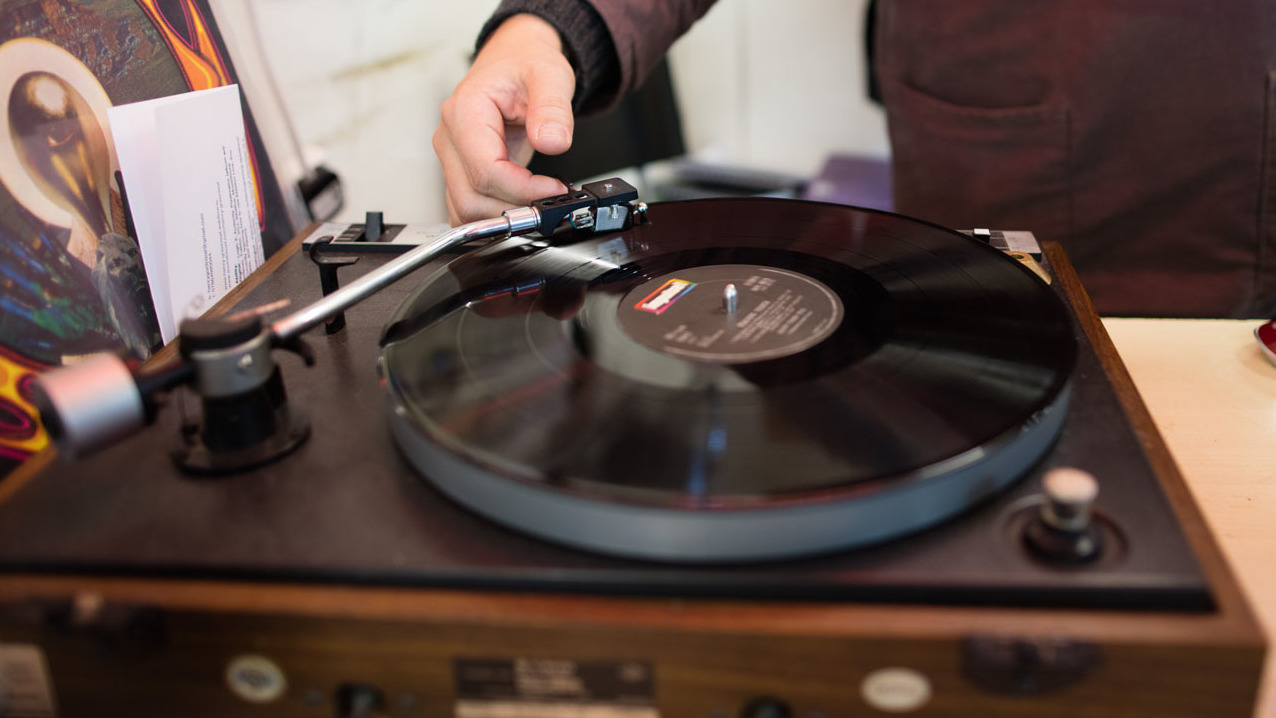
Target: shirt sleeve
612,44
586,42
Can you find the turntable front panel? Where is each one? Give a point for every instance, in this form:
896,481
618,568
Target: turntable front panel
343,567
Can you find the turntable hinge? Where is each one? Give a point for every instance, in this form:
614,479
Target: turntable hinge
1018,245
1033,265
1007,240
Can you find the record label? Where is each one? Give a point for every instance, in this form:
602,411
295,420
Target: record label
773,313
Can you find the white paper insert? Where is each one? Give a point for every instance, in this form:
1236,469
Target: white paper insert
188,175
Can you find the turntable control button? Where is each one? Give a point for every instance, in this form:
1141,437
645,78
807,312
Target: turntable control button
360,700
766,708
1063,529
373,226
1069,495
1027,667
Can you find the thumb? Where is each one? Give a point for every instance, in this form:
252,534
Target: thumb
549,113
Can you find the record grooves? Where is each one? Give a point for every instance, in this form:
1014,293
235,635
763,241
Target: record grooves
879,375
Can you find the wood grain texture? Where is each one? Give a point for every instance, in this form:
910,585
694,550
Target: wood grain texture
710,656
1213,397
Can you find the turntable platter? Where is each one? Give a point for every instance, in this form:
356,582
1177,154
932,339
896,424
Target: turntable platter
732,380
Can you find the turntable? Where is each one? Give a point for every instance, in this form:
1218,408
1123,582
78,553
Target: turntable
705,458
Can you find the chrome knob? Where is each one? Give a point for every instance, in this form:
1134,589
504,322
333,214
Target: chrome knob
1064,530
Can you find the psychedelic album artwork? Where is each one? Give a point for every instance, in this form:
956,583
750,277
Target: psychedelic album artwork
72,280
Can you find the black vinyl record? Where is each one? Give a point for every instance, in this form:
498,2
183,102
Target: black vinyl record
730,380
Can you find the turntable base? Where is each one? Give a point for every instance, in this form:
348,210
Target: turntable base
709,658
195,641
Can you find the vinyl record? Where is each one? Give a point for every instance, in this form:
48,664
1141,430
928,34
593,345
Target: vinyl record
872,375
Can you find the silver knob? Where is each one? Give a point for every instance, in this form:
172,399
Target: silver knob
1070,493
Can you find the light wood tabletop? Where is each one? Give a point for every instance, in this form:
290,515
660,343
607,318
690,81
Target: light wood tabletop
1212,394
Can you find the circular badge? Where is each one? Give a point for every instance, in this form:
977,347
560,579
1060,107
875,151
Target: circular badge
896,690
256,679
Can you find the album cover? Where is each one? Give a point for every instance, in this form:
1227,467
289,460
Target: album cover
72,280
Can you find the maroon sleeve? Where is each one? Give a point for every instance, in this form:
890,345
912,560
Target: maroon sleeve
612,44
643,31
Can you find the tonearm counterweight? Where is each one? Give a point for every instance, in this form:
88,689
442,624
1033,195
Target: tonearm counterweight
245,418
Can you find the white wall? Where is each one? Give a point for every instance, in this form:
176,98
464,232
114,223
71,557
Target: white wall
761,84
777,85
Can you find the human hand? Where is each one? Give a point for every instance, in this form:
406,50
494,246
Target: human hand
515,99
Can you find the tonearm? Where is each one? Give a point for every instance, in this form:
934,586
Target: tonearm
245,417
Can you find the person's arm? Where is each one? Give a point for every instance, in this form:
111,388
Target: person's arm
541,60
586,41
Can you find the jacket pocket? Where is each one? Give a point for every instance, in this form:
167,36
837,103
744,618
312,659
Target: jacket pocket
1005,167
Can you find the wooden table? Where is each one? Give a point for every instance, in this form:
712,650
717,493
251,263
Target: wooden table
1213,397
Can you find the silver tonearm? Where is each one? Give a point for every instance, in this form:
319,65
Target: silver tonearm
91,404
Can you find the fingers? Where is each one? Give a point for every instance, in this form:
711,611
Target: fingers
549,110
515,99
481,181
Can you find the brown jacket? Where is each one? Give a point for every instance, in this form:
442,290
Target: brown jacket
1139,133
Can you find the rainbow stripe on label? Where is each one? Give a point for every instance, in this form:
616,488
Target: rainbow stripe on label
664,297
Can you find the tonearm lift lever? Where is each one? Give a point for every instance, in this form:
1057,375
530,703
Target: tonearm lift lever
246,420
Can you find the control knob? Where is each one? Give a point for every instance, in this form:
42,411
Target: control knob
766,708
1064,529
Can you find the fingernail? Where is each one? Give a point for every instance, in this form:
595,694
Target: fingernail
552,131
